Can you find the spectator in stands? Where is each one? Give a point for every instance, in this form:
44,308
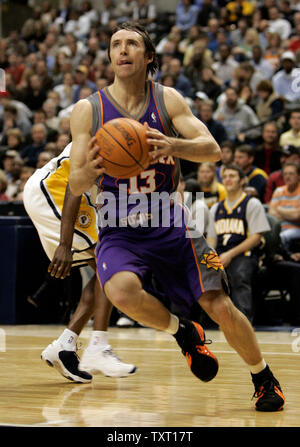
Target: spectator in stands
66,90
268,154
43,158
34,95
186,15
237,118
207,179
7,161
208,10
182,83
256,177
240,221
26,173
288,153
285,204
16,67
11,121
261,64
40,116
81,80
15,139
227,157
62,141
17,165
292,136
209,83
237,35
226,64
283,79
274,49
245,75
238,9
3,187
124,10
205,111
197,54
50,109
64,125
270,105
31,152
74,49
277,24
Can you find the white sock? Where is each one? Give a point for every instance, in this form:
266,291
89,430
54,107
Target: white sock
68,340
98,341
255,369
173,325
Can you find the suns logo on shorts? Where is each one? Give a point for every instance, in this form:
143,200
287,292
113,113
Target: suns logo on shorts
84,219
212,260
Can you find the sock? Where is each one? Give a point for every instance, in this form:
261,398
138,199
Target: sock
173,325
98,341
256,369
68,340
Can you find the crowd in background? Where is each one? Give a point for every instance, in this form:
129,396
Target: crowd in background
235,62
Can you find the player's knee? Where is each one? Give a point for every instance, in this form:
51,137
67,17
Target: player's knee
123,289
218,306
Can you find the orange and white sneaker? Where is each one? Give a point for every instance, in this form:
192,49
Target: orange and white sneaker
191,339
267,391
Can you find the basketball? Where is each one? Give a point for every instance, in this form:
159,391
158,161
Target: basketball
123,146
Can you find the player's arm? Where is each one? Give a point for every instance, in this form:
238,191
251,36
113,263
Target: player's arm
61,264
197,144
84,159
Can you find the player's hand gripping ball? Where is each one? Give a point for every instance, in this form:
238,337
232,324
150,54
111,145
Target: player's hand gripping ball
123,146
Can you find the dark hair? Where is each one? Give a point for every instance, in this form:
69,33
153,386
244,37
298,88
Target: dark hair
246,149
228,143
236,168
265,86
149,45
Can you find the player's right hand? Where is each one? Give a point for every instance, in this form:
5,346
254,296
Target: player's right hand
93,159
61,264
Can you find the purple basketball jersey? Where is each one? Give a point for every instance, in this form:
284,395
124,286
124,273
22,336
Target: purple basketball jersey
155,179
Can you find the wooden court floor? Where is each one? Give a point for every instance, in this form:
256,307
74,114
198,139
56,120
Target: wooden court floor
163,392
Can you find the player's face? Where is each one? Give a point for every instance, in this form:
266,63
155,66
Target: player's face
231,180
128,54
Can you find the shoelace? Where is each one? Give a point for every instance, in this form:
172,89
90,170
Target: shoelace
265,387
112,354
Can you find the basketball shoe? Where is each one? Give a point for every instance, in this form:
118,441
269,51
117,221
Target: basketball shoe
267,391
106,362
66,362
191,338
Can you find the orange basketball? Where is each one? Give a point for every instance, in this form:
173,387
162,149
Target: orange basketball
123,147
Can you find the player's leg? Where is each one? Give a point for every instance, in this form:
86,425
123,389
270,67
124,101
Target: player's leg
241,336
62,352
99,356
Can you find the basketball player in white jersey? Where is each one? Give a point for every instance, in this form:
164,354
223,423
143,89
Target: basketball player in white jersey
67,227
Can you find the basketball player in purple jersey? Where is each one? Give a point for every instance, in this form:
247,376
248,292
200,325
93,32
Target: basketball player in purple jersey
188,269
